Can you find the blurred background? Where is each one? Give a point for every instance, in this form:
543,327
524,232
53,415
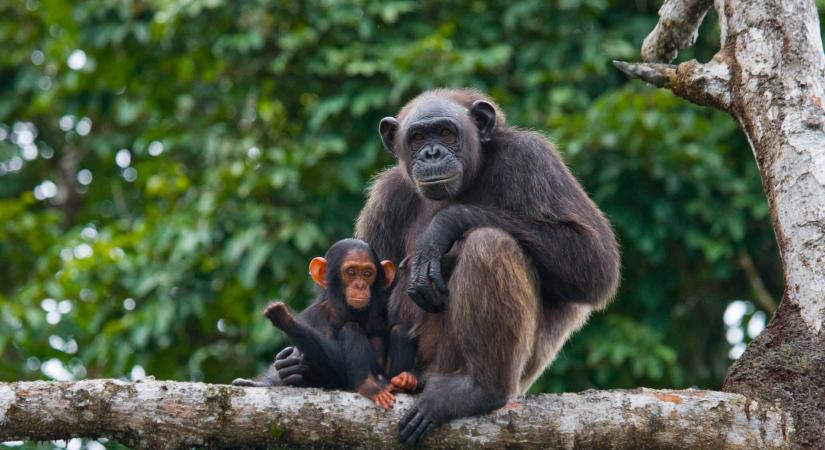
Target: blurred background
168,167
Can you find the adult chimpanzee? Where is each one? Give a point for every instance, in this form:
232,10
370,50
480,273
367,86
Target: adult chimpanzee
508,254
344,333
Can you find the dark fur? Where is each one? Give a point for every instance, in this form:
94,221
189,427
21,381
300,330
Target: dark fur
342,346
531,256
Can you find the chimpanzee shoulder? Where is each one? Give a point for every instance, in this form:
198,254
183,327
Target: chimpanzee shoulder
522,172
393,201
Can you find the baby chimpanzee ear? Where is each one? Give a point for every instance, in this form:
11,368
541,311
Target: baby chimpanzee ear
389,272
318,271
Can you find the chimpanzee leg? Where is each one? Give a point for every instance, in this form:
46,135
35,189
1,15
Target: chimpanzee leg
361,360
402,351
323,353
362,366
490,331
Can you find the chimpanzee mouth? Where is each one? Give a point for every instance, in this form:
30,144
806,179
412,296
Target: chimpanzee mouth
437,180
357,303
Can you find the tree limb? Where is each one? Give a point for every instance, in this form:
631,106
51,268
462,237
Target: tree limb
657,74
703,84
760,292
170,415
678,26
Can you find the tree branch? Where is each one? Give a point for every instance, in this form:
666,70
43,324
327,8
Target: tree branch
170,415
703,84
678,26
760,292
657,74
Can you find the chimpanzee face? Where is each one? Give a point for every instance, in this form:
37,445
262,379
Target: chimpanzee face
357,275
439,143
350,273
435,146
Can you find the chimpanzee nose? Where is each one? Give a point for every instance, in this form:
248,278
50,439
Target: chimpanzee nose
433,152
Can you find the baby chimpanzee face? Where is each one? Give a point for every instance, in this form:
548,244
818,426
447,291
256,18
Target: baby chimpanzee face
358,274
348,273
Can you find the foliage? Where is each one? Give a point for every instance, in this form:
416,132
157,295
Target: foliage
168,166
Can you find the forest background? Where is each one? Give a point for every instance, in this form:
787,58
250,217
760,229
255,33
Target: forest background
168,167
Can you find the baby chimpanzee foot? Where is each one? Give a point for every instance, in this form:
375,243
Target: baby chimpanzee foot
384,399
377,391
404,381
278,314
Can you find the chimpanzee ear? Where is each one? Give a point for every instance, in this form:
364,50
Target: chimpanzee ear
387,128
484,116
389,272
318,271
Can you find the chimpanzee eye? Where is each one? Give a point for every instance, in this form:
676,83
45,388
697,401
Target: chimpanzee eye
367,273
351,272
417,141
447,136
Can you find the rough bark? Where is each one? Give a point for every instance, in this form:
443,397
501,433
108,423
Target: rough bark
171,415
769,74
678,27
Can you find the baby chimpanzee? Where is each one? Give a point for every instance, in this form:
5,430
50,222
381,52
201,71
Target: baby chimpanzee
344,333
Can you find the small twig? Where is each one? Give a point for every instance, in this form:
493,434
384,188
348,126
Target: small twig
763,297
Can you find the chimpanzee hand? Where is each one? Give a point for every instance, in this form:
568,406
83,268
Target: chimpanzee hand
427,287
417,422
288,369
289,363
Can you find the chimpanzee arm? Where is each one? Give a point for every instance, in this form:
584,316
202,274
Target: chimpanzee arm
321,352
287,370
427,286
570,255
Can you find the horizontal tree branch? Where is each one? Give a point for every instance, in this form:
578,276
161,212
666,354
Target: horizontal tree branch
171,415
704,84
657,74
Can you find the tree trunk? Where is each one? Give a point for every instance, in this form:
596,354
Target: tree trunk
769,74
171,415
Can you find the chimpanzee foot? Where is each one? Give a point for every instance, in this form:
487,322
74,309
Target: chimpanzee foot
378,391
247,383
384,399
278,314
404,381
416,423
